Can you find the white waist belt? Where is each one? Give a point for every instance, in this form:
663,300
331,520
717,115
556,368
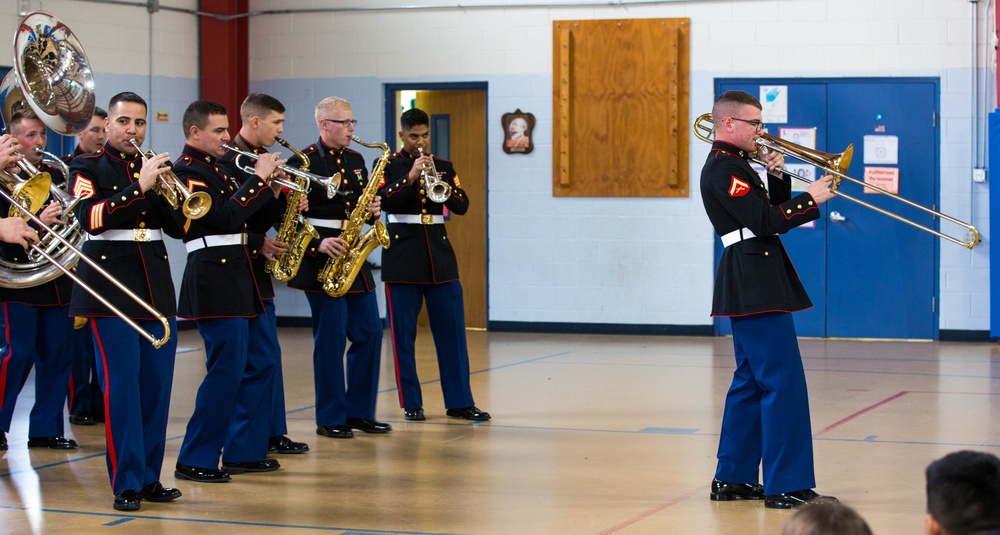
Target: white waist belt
326,223
737,236
130,234
218,240
416,219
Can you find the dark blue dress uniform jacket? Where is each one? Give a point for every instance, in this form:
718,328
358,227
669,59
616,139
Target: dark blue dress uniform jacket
261,221
54,292
419,253
755,275
218,281
324,161
107,181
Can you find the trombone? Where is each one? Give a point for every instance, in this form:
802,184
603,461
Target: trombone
836,165
157,342
193,205
288,169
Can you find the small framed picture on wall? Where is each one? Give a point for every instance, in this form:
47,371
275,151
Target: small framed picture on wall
517,130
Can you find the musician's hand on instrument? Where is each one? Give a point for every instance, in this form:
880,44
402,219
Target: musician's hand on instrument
304,203
15,230
266,164
773,160
332,247
820,189
50,214
415,171
273,247
151,170
375,207
9,154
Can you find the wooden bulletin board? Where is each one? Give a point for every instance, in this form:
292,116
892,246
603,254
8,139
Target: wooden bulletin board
620,108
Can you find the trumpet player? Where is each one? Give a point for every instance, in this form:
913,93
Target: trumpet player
38,327
126,220
421,266
340,408
232,412
263,117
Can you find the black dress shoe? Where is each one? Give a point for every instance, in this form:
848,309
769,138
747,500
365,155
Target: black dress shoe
335,431
3,441
267,465
202,475
469,413
790,500
724,492
369,426
53,443
155,492
283,444
414,414
127,500
81,419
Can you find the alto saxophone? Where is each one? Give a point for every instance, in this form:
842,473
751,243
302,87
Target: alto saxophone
284,267
339,273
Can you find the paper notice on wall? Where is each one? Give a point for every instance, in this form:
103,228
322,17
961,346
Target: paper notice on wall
802,170
881,150
774,99
886,178
800,136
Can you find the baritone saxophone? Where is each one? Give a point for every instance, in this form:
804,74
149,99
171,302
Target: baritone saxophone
284,267
338,274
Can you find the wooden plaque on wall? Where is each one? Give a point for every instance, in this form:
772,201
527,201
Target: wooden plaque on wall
620,108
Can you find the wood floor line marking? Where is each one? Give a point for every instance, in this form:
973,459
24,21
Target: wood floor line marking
889,399
646,514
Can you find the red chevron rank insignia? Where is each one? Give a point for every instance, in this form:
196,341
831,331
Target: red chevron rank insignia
738,188
83,187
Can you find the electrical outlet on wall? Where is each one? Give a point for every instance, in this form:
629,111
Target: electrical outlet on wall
979,175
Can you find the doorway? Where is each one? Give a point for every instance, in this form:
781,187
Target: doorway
867,275
458,133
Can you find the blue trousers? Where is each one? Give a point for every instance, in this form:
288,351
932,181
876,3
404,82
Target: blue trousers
337,320
232,412
36,336
446,314
84,387
136,379
267,349
766,420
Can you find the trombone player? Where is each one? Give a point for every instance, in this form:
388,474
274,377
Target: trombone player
38,327
126,220
766,420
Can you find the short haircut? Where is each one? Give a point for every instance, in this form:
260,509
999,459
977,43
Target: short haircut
23,115
99,112
826,519
331,103
414,117
963,492
259,105
730,101
197,114
127,96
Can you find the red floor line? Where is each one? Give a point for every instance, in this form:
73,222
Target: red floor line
862,411
653,511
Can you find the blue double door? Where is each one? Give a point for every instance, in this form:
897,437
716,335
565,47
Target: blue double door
868,275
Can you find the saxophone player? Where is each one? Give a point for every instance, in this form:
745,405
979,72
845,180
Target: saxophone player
354,316
262,117
421,266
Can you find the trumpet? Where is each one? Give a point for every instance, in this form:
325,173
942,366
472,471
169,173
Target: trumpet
437,189
193,205
331,184
279,181
837,165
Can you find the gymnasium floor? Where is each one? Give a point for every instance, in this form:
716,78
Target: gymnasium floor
590,435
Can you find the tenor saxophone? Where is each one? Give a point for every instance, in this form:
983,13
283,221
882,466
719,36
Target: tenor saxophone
339,273
284,267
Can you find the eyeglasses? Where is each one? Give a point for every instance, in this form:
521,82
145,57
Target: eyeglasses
759,125
343,122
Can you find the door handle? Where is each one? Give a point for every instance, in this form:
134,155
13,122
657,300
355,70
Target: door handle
835,217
